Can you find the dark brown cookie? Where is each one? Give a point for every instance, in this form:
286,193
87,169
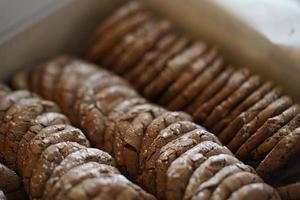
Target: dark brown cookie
174,149
153,70
141,46
231,101
279,156
235,125
76,159
10,181
232,183
244,105
272,125
255,191
207,170
181,169
289,192
206,189
173,69
188,75
263,149
249,129
150,57
196,86
208,92
234,82
40,122
49,159
34,78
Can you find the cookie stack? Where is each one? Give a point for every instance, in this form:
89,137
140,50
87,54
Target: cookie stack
53,157
164,152
252,117
10,184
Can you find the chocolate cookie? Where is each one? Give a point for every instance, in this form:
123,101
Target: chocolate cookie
152,71
249,129
10,181
272,125
188,75
244,105
233,182
141,45
76,159
196,86
263,149
173,69
181,169
34,78
289,192
234,82
255,191
207,170
231,101
208,92
234,126
279,156
150,57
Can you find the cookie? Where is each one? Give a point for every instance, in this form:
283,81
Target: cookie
173,69
49,159
231,101
235,125
158,124
188,75
206,189
19,80
263,149
289,192
181,169
141,46
155,68
174,149
252,99
249,129
34,78
10,181
232,183
150,57
272,125
196,86
207,170
255,191
279,156
76,159
208,92
234,82
40,122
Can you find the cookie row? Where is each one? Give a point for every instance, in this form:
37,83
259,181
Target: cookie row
252,117
10,184
53,157
165,152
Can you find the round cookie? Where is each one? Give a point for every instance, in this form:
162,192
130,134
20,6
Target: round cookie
10,181
234,82
255,191
75,159
263,149
181,169
249,129
252,99
173,69
188,75
155,68
289,192
150,57
140,46
266,130
197,85
235,125
207,170
232,183
279,156
221,110
34,78
49,159
208,92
